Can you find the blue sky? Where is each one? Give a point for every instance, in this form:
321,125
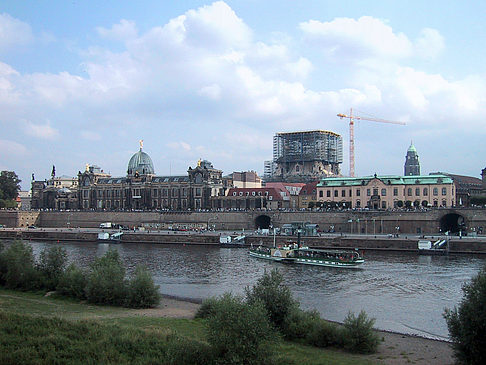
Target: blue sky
83,81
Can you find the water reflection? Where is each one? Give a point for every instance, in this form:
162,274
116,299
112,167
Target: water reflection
405,292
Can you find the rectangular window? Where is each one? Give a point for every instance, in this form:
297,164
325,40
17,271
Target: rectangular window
155,193
417,191
395,191
436,192
383,204
383,192
358,192
343,193
375,191
425,192
368,192
198,192
328,193
350,192
444,191
321,194
336,193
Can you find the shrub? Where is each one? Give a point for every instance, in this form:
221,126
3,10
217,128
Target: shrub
51,266
298,324
238,332
142,292
18,270
181,350
467,324
72,282
275,296
106,281
358,334
207,308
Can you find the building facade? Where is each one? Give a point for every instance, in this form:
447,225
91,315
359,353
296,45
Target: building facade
140,189
385,192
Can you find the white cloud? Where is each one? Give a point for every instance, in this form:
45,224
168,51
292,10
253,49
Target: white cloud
13,32
91,136
356,39
11,148
41,131
179,145
430,44
123,31
211,91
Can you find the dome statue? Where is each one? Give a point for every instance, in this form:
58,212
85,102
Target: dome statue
140,163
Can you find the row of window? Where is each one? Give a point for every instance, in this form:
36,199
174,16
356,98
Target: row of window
253,193
137,192
408,192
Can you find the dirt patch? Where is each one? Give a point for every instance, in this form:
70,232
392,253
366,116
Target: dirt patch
398,349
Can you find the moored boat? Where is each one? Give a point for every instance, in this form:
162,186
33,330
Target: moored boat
309,256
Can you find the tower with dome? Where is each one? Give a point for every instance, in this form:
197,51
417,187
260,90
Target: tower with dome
412,163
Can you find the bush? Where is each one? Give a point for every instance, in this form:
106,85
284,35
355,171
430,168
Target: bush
181,350
325,334
106,281
298,324
142,292
207,308
467,324
51,266
239,333
275,296
358,334
72,283
18,270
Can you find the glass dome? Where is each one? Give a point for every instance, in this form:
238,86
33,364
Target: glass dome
140,164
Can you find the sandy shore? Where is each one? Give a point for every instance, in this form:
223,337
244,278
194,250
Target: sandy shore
395,349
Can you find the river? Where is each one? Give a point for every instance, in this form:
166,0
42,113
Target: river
405,292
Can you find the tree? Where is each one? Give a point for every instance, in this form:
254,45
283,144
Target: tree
467,324
9,185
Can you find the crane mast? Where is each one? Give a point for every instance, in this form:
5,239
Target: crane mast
351,118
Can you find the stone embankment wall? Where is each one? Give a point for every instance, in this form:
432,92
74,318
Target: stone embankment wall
378,243
367,222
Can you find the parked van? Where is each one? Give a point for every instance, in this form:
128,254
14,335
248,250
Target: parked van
106,225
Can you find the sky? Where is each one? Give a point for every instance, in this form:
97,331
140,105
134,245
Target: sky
83,81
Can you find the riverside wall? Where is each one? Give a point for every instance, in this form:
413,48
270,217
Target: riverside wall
373,243
363,222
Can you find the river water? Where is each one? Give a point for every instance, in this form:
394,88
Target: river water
405,292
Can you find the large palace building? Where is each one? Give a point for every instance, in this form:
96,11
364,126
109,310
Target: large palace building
140,189
384,192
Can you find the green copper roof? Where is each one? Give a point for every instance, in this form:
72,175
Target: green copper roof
386,179
412,148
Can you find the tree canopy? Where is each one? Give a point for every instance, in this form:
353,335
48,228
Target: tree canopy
9,185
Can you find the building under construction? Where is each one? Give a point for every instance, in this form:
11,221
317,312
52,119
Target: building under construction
306,156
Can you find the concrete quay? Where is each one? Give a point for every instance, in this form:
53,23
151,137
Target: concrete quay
405,243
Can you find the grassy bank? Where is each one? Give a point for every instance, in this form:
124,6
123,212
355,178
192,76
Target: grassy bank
38,329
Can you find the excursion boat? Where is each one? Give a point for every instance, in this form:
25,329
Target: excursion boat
309,256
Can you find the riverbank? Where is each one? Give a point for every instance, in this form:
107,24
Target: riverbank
405,243
177,314
395,348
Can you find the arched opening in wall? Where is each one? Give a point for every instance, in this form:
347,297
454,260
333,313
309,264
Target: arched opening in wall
262,222
452,223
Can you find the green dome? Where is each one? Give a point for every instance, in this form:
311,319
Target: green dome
412,148
141,163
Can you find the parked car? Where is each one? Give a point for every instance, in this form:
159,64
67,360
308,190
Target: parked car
32,227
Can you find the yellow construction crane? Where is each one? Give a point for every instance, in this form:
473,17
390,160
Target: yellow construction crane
351,118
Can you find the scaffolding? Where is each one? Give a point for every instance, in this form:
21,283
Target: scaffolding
308,154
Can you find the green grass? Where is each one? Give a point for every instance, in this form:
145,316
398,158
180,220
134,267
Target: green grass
52,330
